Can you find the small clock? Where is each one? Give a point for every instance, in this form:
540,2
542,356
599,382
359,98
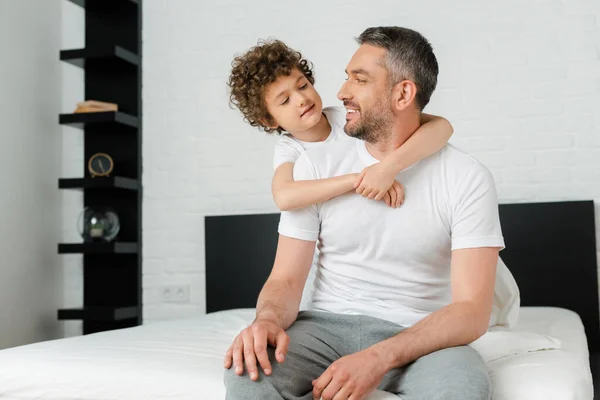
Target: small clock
100,164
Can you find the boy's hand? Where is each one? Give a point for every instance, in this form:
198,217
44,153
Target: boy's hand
378,182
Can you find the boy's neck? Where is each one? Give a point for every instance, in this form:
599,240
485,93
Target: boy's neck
318,133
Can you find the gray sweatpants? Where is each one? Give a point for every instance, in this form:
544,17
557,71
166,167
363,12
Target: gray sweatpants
317,339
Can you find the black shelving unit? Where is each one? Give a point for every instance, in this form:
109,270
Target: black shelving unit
98,248
112,62
84,3
106,117
106,314
111,182
113,55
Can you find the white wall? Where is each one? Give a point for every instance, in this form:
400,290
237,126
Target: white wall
72,88
30,162
519,80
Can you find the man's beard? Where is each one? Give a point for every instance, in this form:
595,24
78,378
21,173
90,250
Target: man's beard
374,125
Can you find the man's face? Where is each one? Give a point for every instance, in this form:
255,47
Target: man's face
293,102
366,95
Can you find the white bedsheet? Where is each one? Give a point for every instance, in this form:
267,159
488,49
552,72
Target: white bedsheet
182,359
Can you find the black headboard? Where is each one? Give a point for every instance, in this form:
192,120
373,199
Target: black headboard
550,250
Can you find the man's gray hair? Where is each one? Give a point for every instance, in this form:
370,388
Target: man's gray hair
408,56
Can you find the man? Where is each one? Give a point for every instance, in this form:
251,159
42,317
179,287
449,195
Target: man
399,292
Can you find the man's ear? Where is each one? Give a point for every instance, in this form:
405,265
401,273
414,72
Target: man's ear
403,94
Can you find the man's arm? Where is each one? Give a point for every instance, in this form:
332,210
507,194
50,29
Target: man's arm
277,308
279,299
461,322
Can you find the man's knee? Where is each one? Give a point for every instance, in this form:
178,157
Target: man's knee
241,387
456,373
469,382
234,384
467,379
461,383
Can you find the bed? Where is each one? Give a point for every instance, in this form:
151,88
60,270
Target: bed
550,250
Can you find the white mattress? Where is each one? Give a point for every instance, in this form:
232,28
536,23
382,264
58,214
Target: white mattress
183,359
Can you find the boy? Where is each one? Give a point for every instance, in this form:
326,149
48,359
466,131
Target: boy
272,85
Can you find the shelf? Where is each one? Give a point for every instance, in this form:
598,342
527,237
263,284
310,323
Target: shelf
100,182
106,248
82,3
98,313
78,57
111,58
80,120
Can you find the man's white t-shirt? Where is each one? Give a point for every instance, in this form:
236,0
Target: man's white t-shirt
388,263
288,148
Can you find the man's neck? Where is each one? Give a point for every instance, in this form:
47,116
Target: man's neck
402,130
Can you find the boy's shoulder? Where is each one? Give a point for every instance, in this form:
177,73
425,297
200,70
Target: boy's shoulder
336,115
335,109
330,154
286,149
286,141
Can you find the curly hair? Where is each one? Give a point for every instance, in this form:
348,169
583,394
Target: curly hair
257,68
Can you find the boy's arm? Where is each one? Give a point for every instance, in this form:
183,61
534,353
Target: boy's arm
289,194
432,135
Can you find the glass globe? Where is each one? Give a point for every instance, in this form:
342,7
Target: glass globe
98,224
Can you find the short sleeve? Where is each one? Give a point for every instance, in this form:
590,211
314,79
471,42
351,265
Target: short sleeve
285,151
301,223
475,216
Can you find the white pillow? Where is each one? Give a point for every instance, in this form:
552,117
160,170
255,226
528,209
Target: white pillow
507,298
496,344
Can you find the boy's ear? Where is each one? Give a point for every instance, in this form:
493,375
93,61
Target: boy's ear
267,123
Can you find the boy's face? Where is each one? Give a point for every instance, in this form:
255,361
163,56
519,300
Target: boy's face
293,102
366,94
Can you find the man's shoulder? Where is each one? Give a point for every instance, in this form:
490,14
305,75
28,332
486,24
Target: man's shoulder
462,171
458,160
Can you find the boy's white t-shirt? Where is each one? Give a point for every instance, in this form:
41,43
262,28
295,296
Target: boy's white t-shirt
288,148
390,263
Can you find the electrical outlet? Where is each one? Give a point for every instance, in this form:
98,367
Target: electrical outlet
176,294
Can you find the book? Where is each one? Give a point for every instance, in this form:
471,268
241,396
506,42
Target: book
96,106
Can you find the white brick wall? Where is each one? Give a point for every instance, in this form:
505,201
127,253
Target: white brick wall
519,80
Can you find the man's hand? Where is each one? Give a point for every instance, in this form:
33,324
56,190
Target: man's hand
351,377
394,197
251,345
377,182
